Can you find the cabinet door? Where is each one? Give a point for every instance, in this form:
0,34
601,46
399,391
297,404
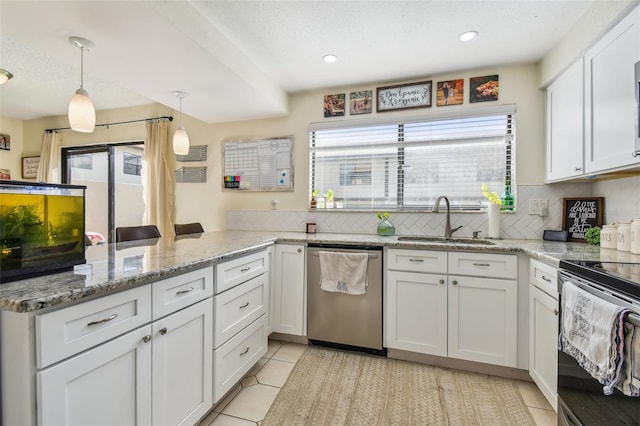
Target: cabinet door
565,125
182,365
610,97
483,320
108,385
543,343
288,289
416,312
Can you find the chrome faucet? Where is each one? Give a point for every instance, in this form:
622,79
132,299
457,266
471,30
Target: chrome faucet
447,227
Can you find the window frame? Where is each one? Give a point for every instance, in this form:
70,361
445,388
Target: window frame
508,111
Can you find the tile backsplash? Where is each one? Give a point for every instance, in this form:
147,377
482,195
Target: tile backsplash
518,225
621,198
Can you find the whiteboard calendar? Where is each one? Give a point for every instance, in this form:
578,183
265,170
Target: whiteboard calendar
258,165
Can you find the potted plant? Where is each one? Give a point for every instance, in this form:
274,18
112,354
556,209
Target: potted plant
314,203
385,227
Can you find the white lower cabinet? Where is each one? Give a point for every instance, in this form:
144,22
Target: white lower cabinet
288,290
109,385
417,312
182,376
470,317
235,358
543,330
147,376
483,320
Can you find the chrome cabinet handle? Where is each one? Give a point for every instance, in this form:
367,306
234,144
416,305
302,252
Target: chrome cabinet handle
577,169
146,339
245,269
454,282
189,290
109,318
441,281
545,278
299,250
244,306
416,260
634,154
245,351
163,330
482,265
555,311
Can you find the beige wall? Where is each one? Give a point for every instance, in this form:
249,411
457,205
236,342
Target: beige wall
208,204
12,159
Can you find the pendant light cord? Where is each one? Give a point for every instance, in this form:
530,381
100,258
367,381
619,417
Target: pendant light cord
82,67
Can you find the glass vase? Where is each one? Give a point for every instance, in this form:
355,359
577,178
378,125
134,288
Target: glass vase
386,228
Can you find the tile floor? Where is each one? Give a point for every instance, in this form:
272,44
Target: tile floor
248,403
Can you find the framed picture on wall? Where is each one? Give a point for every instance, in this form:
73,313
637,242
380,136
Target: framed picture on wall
30,167
5,142
334,105
360,102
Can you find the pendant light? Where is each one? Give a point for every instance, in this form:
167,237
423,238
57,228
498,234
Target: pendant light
5,76
180,137
82,114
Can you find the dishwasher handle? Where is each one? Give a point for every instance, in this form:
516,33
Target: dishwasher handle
317,253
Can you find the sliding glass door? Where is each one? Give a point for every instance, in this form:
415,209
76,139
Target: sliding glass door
112,175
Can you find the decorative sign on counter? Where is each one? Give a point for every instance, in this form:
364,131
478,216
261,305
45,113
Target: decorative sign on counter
404,96
580,214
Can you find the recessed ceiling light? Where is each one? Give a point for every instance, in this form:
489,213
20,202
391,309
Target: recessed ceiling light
329,58
469,35
5,76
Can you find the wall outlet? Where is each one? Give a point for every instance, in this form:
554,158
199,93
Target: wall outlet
538,207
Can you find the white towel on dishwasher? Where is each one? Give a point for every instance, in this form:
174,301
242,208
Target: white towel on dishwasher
343,272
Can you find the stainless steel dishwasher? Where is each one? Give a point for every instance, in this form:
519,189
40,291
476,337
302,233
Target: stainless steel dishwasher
345,320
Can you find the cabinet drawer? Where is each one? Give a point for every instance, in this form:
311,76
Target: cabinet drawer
239,307
175,293
483,264
417,260
545,277
62,333
236,271
236,357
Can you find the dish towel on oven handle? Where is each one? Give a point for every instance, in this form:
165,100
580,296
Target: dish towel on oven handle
592,332
342,272
630,383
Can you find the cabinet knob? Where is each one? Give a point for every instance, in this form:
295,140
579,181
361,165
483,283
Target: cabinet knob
454,282
299,250
441,281
577,169
555,311
163,330
146,339
634,154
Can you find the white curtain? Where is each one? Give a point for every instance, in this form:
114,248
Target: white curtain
159,178
49,168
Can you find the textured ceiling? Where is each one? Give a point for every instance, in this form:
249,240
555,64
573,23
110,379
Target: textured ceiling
238,60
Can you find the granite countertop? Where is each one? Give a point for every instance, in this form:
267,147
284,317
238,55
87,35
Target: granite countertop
124,265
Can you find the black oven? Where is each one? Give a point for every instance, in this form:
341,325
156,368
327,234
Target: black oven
581,400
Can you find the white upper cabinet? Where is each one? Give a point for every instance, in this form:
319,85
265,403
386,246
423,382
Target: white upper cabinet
610,104
565,125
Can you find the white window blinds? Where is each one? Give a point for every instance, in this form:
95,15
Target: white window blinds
408,165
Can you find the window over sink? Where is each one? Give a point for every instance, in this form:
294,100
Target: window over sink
407,164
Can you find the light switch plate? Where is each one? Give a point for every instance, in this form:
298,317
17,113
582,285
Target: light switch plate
538,207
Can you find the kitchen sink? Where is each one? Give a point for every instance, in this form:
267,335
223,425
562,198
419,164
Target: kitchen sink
421,239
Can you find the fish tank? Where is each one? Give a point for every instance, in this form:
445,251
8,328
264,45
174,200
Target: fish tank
41,228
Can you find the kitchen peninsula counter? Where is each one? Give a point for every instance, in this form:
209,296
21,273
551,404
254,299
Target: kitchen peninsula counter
115,267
